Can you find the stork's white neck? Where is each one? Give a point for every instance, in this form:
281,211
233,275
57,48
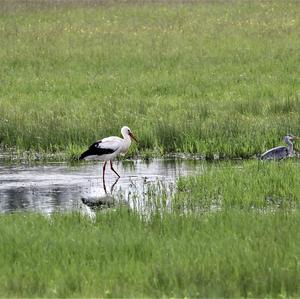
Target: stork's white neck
126,136
126,143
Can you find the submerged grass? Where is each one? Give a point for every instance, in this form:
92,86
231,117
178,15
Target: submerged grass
205,77
228,254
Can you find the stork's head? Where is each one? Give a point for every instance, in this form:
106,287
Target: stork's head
125,131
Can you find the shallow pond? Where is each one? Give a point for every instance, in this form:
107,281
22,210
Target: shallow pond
62,187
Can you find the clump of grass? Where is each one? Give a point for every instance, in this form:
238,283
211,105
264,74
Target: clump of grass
254,184
120,254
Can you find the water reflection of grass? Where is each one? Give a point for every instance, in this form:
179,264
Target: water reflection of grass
207,78
233,253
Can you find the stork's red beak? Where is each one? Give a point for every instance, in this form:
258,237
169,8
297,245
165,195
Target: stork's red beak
132,137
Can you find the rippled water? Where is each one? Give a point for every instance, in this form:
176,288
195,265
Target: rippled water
61,187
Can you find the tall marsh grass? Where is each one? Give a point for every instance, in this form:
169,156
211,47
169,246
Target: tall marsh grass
203,77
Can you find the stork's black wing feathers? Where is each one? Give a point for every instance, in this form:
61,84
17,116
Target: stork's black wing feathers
96,150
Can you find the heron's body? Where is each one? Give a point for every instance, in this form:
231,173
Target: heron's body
108,148
280,152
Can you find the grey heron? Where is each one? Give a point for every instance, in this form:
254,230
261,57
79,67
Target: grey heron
281,152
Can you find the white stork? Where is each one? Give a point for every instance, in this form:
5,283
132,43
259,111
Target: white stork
108,148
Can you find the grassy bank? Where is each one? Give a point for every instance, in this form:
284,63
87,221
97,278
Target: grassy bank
227,254
207,78
253,184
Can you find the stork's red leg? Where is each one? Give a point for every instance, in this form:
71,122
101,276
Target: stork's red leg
103,172
111,167
103,176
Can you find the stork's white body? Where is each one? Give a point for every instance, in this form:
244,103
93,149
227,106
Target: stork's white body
117,144
108,148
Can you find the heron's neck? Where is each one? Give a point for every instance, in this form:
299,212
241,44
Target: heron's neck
290,146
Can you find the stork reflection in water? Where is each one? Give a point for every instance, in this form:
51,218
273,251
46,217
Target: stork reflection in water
281,152
104,201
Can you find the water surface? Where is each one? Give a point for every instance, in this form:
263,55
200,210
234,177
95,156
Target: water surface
61,187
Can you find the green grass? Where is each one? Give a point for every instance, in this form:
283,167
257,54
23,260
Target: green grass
206,78
244,185
227,254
